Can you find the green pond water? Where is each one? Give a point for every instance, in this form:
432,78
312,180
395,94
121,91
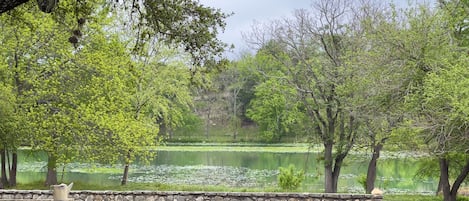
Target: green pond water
237,169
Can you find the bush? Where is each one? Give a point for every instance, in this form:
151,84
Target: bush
289,178
362,181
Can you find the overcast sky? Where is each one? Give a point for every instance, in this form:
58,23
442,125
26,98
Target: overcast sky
246,12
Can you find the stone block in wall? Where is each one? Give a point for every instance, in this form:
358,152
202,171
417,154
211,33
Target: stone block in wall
28,196
129,198
247,199
139,198
150,198
8,196
161,198
18,196
119,198
109,197
98,197
89,198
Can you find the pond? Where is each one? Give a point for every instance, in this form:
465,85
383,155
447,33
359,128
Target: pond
238,169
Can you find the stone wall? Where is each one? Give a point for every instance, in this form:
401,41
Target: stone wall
11,195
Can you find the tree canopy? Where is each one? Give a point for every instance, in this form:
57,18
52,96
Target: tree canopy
186,23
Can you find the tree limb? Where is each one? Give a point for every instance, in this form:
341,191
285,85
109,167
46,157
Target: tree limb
6,5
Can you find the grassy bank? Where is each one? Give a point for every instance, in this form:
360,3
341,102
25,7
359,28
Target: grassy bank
275,148
223,134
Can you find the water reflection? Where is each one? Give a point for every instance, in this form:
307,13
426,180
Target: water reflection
240,169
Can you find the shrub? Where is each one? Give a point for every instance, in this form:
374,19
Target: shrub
289,178
362,181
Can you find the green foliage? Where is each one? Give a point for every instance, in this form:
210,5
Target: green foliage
362,181
86,101
192,126
274,110
189,23
289,178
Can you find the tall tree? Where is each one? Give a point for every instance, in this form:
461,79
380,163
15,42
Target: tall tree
312,47
160,93
428,52
378,88
444,123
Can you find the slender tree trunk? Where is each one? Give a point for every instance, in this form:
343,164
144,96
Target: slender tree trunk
4,179
13,168
125,175
126,169
460,179
335,175
207,123
371,173
51,177
235,120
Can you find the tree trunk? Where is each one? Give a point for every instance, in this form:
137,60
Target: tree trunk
235,120
4,179
13,168
444,180
450,192
207,124
126,169
125,175
328,172
460,179
371,173
335,174
51,177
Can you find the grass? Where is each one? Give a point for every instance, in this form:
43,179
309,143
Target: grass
283,148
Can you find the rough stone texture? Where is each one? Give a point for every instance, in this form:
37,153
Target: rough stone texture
19,195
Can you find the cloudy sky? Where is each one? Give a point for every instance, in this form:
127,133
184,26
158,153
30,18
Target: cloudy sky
246,12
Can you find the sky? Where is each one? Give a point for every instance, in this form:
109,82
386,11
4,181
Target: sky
246,12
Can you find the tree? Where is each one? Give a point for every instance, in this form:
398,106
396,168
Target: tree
65,91
18,54
161,94
9,135
377,90
424,48
459,22
274,111
232,82
274,106
444,121
312,50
